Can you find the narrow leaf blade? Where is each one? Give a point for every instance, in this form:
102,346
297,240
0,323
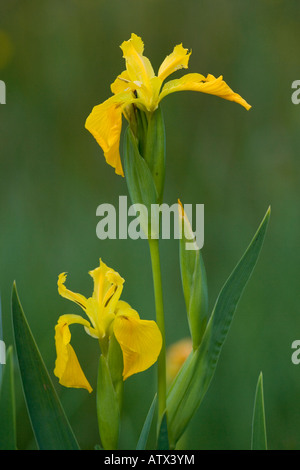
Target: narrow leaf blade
259,435
142,442
193,380
163,437
50,426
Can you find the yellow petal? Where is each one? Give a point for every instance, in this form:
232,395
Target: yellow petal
140,341
67,294
92,312
108,285
101,284
122,83
81,301
151,100
139,68
210,85
67,367
177,60
105,124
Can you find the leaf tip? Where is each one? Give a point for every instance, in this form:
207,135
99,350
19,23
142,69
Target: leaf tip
14,287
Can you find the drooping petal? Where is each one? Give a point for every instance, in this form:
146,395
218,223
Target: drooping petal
80,300
105,124
67,294
138,66
67,367
209,84
177,60
140,341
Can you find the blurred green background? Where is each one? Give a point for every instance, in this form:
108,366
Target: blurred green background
58,60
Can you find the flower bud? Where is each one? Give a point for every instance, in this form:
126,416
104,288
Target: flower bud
194,283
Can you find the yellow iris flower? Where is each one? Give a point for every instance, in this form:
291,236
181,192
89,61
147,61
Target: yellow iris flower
139,85
140,340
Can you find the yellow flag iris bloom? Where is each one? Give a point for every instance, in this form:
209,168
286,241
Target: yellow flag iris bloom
139,85
140,340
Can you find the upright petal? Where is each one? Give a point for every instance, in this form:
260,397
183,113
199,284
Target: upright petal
108,285
140,341
138,66
101,284
67,367
209,84
177,60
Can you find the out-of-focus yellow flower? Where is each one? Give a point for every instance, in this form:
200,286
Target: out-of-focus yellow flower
140,340
139,85
177,354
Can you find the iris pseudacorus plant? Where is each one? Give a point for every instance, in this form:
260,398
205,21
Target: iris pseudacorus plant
107,315
139,86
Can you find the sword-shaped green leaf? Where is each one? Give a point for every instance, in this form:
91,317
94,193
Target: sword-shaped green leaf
192,381
163,437
142,442
49,423
259,435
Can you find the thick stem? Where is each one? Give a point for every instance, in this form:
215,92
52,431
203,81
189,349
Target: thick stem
161,363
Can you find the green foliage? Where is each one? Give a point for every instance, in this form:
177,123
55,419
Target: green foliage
155,150
235,162
142,442
163,437
192,381
107,407
259,434
49,423
194,283
139,180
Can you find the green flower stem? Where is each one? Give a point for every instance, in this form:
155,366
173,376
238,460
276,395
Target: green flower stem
160,320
